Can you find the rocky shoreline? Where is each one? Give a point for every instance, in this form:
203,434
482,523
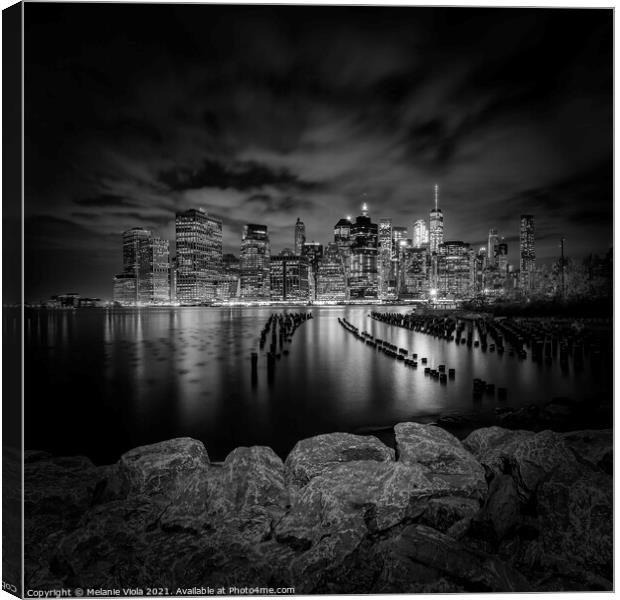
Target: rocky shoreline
502,510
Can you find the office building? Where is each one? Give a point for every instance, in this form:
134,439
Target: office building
199,256
414,272
331,283
289,277
300,236
493,240
255,263
436,225
455,270
420,233
527,253
363,274
385,256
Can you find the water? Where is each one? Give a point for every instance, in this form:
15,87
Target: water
101,382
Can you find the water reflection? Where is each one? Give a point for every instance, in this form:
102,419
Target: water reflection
101,382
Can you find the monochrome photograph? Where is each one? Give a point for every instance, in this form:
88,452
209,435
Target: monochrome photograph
315,299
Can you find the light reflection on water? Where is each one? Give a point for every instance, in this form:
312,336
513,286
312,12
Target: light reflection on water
101,382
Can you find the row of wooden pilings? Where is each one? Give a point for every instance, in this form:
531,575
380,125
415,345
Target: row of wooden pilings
281,328
440,374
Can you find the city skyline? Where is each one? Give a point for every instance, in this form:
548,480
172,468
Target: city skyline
243,112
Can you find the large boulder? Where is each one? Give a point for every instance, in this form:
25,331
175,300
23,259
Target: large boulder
442,455
421,559
575,507
592,446
336,510
528,457
312,456
242,497
163,470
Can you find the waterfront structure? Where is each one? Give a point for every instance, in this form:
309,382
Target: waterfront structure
289,277
420,233
300,236
385,256
414,272
255,263
145,278
436,225
455,270
363,274
199,256
331,285
527,253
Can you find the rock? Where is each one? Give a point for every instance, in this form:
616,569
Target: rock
312,456
489,444
502,506
337,509
421,558
442,455
595,447
57,492
443,513
163,470
575,507
528,457
246,494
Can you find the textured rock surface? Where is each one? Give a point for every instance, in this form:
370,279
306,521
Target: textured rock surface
163,470
312,456
442,455
339,516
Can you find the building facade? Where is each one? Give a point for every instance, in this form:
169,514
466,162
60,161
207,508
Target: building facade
455,270
255,263
420,233
300,236
199,256
414,273
331,282
385,256
363,274
289,278
527,253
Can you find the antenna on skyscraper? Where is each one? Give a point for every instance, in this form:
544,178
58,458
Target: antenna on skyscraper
436,196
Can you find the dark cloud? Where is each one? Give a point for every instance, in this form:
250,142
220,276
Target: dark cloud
240,176
269,113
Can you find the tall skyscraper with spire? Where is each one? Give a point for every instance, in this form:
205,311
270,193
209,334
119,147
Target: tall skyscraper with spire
436,225
300,236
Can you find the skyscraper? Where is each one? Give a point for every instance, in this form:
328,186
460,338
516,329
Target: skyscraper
436,225
363,276
331,283
289,277
501,253
420,233
300,236
255,263
199,256
385,255
491,247
414,272
455,269
146,269
527,253
312,252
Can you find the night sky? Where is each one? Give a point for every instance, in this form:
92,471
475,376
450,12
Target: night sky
265,114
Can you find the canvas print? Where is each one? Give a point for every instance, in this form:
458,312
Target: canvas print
316,300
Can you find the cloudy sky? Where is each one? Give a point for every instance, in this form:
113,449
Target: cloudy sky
264,114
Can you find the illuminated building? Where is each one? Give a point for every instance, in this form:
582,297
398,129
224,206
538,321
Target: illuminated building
312,252
146,269
385,256
300,236
228,285
527,253
491,248
255,263
331,284
414,272
436,225
199,256
289,277
501,255
420,233
363,275
455,270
